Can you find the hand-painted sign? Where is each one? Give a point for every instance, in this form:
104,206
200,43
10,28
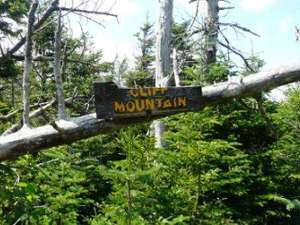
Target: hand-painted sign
113,102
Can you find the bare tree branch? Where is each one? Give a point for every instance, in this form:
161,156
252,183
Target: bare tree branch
20,143
236,25
88,11
52,8
89,18
226,8
237,52
38,112
15,112
45,16
41,58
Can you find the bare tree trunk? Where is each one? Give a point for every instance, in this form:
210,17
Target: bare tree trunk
211,31
64,132
163,59
175,68
57,72
28,64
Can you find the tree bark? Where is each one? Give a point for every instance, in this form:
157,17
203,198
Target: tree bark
28,64
175,68
57,72
20,143
163,59
163,43
211,31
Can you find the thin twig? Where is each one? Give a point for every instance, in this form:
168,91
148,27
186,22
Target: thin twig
87,11
236,25
237,52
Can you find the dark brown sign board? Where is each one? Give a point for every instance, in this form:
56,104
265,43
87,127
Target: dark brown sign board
113,102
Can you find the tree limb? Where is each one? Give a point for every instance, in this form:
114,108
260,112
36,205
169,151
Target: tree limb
236,25
52,8
88,11
237,52
35,113
20,143
42,20
13,113
41,58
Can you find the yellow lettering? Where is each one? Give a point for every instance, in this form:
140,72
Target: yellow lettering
174,102
133,92
159,102
140,105
163,90
154,91
130,106
119,107
149,104
143,93
149,91
167,104
182,101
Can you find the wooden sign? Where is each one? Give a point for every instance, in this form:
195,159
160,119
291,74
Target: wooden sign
117,103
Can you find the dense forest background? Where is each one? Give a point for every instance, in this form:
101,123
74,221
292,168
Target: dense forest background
233,163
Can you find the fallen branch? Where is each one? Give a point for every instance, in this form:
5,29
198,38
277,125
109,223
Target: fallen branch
13,113
36,139
36,113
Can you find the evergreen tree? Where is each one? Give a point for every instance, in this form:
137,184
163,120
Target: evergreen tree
142,75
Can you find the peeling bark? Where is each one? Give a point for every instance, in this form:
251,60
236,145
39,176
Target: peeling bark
20,143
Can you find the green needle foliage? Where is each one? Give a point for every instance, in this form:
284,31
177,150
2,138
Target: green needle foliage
235,163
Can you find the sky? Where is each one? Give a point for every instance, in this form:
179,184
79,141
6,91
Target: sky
273,20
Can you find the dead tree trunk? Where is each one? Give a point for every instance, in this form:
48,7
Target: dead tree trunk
28,64
175,68
211,31
163,59
57,72
64,132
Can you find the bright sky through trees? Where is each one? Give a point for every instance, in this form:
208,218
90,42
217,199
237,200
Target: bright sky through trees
274,20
